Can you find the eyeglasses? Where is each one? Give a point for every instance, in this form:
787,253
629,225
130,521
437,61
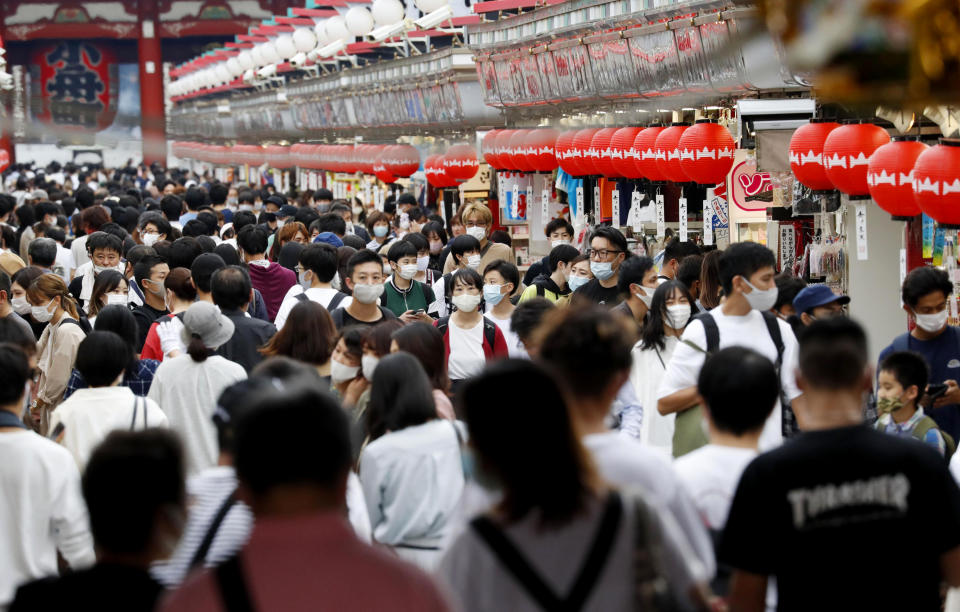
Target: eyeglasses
601,253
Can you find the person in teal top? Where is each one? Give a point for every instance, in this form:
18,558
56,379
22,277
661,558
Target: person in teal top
404,296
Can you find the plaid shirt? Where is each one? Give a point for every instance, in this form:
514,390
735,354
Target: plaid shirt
933,436
139,383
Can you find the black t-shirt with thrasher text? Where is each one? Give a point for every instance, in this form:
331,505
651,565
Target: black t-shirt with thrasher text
846,519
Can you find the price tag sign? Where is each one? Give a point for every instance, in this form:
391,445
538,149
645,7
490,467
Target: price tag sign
545,205
615,207
861,230
683,219
596,204
634,216
708,218
661,220
581,214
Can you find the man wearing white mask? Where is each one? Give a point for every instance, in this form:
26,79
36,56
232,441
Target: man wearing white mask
105,253
153,229
365,280
747,272
926,292
478,220
608,251
637,282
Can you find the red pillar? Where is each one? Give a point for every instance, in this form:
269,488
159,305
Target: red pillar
152,121
6,128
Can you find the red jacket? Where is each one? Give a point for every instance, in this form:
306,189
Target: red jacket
494,344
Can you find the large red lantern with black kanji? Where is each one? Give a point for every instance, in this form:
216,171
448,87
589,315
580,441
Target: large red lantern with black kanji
706,152
806,155
539,149
936,183
668,153
460,162
76,83
488,148
846,154
563,148
603,159
582,160
625,156
646,148
890,177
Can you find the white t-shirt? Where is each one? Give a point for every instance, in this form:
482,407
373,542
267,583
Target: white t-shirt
187,392
624,462
78,248
439,307
710,475
321,296
656,430
466,351
41,511
64,263
514,346
749,331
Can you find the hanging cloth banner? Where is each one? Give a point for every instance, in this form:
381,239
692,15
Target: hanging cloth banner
708,217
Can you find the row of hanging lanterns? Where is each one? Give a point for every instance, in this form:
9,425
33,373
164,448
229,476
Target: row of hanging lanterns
902,175
702,153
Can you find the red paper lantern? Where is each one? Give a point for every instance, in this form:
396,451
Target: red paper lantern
668,153
488,148
601,143
563,147
501,149
936,183
806,155
846,154
516,151
461,163
435,172
890,177
401,160
582,155
539,149
625,155
380,171
706,153
646,147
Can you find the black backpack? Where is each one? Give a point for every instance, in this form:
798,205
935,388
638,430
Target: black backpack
789,423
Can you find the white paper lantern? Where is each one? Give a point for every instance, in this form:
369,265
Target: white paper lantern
336,29
212,80
304,39
269,53
320,31
285,46
233,65
246,59
257,54
223,75
387,12
359,21
428,6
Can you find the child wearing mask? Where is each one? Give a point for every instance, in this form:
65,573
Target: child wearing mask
903,377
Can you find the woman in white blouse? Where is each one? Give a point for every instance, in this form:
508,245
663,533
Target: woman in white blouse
411,471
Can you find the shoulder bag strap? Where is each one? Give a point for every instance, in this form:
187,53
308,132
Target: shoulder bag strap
599,553
204,548
133,419
233,586
711,331
514,562
143,401
302,297
335,301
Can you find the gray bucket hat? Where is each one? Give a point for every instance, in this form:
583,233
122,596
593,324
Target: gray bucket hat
206,320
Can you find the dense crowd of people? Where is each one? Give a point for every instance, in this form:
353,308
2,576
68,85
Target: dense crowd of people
222,396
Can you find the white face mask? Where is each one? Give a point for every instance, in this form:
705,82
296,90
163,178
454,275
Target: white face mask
20,306
340,372
466,302
477,232
678,315
555,243
422,263
408,271
369,364
149,239
761,300
646,296
335,283
931,322
367,294
41,313
473,261
115,299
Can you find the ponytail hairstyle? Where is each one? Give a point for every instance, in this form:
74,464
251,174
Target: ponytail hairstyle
197,350
48,286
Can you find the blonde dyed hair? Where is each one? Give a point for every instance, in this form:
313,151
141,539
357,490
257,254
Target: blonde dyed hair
49,286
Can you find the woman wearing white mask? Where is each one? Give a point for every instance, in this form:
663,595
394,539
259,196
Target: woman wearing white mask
471,339
51,302
109,288
669,313
465,251
478,221
153,229
346,379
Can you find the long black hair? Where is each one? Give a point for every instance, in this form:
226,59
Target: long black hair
119,320
653,329
401,395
